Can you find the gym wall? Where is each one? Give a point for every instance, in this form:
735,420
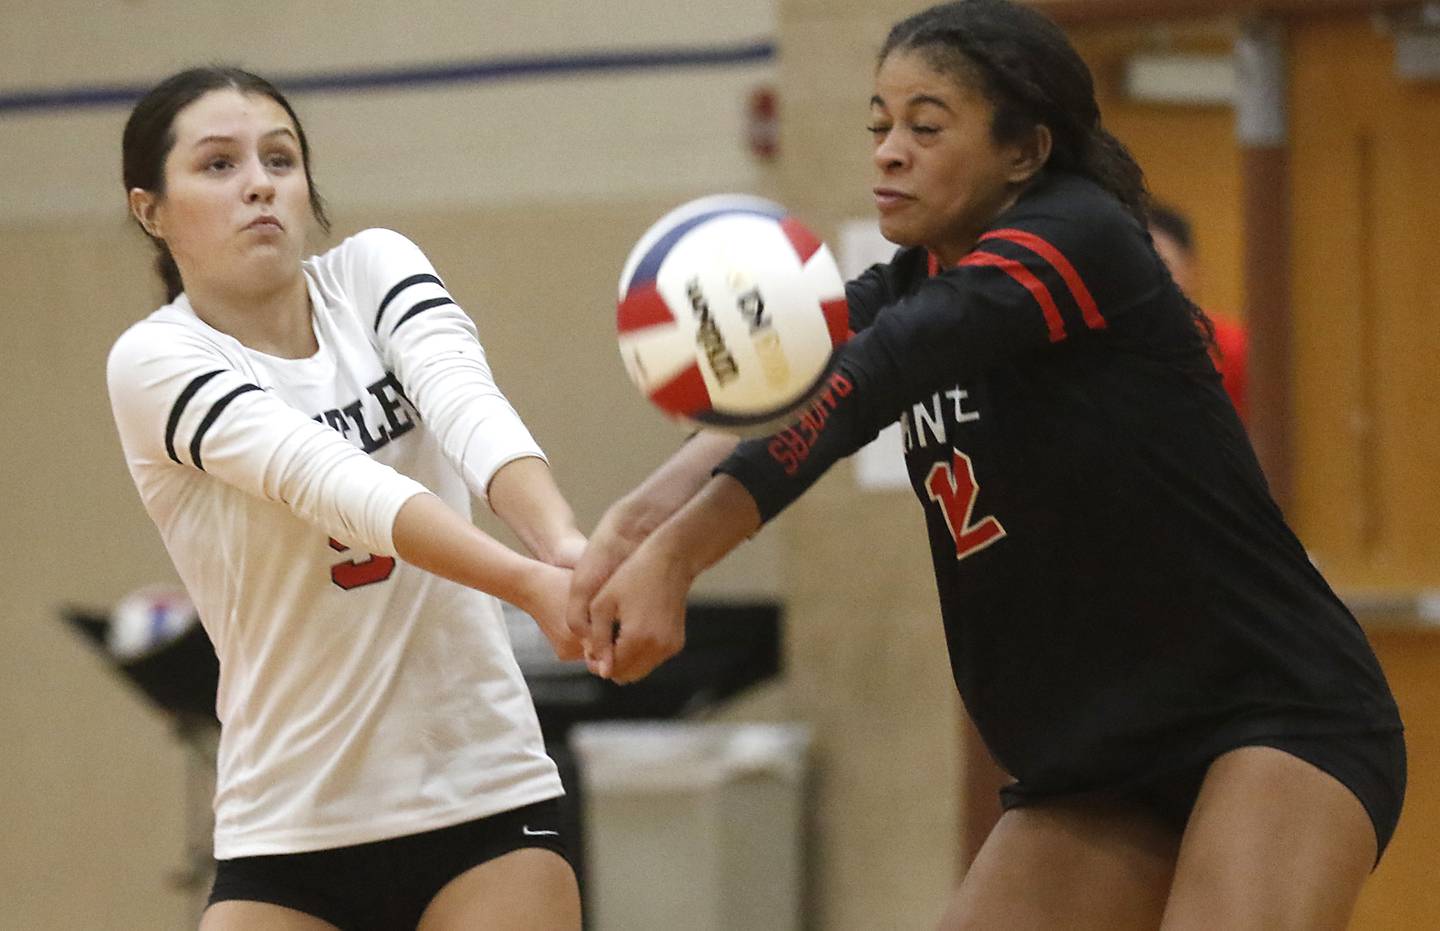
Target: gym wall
569,129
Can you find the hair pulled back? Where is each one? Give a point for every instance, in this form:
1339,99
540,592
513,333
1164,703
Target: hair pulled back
150,135
1028,70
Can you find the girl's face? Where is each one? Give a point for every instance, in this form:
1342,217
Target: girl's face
236,207
942,178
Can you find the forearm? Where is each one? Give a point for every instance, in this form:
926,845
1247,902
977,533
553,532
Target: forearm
672,495
717,519
524,495
861,395
637,620
674,484
431,536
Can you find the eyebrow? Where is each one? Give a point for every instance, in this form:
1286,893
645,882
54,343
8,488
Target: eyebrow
277,131
915,101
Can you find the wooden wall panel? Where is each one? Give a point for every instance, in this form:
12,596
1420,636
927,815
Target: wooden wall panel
1188,154
1364,222
864,648
1402,894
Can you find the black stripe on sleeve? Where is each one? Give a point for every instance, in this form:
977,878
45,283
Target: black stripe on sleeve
412,280
210,419
178,410
423,305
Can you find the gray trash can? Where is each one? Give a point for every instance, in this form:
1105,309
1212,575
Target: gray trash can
693,825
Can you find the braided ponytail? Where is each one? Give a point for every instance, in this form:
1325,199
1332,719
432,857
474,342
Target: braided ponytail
1108,163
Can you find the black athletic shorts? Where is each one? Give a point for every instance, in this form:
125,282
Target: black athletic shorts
385,885
1371,765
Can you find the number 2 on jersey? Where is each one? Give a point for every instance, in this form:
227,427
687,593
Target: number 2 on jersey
952,485
352,574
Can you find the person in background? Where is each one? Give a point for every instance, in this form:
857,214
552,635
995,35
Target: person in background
1174,240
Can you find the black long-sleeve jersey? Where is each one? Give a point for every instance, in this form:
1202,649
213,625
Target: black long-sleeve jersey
1118,587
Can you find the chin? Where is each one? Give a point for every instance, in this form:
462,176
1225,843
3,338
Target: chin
268,267
898,234
281,248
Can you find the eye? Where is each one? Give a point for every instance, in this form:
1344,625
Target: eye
877,129
280,160
218,163
924,130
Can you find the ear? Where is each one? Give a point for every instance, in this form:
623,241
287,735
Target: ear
145,207
1030,154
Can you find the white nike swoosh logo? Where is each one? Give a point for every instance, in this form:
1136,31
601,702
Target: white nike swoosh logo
525,829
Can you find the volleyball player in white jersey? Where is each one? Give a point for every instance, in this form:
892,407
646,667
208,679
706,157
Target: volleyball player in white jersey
306,434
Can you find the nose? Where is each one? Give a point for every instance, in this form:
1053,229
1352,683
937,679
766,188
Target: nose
259,186
890,153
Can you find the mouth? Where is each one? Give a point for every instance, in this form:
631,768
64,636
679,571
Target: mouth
890,199
265,223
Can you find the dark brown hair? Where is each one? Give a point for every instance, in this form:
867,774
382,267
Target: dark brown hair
1170,221
150,135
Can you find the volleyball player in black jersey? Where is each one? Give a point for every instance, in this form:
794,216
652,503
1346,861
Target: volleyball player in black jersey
1199,732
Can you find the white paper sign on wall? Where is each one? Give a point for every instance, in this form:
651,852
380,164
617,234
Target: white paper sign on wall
879,466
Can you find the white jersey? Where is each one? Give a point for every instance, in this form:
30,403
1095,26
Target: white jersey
360,697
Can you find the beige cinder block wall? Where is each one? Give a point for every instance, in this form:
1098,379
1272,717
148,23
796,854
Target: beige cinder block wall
868,665
527,196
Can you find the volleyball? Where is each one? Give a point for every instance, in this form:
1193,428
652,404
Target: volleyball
729,312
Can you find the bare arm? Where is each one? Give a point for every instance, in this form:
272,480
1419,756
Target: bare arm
672,485
627,523
524,495
428,534
644,599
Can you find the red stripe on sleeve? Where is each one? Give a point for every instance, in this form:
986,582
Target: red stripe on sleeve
837,320
1088,308
1034,285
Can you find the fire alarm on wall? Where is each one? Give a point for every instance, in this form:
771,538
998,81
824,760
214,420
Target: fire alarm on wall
763,123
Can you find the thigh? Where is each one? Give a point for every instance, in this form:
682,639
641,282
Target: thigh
235,915
1077,864
532,888
1272,843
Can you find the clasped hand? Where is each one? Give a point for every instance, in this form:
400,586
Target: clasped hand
627,603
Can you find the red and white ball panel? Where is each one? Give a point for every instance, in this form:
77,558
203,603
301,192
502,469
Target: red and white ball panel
730,311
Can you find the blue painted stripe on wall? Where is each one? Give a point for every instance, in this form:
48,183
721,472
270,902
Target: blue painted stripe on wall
473,72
